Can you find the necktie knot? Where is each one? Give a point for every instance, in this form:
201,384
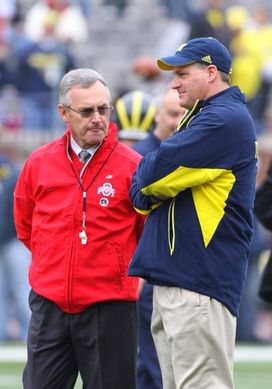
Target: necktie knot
84,155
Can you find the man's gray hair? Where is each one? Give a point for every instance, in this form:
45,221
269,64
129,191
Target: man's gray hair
82,78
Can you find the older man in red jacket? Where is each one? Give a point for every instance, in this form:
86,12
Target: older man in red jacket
73,212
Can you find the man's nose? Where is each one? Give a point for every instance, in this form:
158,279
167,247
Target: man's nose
96,116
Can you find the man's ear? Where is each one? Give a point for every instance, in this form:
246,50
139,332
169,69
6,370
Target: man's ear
212,71
62,112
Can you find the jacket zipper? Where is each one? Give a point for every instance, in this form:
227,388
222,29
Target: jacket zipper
84,191
69,280
171,226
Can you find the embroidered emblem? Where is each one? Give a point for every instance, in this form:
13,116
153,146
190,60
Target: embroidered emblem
207,58
106,189
104,202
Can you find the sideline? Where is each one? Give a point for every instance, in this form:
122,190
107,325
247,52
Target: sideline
253,353
11,353
243,353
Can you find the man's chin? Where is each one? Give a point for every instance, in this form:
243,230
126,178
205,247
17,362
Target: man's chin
93,140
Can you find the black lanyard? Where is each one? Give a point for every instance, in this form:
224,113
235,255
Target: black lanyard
83,234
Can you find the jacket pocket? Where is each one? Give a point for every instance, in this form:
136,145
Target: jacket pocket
171,226
46,252
120,268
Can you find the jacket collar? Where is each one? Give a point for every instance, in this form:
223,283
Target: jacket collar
234,92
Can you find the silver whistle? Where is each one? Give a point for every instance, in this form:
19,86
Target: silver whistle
83,237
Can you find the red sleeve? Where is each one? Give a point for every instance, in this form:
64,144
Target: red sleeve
23,210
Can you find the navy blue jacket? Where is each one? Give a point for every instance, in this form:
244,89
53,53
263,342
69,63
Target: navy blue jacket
145,146
198,236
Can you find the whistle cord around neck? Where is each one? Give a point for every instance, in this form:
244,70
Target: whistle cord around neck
84,190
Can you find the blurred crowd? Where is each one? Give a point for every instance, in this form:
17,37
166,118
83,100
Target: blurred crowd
39,42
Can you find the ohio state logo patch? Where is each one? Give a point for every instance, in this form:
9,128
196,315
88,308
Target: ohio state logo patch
106,190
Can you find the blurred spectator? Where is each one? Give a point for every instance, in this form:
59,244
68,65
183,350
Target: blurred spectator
134,116
211,21
261,18
263,320
248,60
14,259
119,5
167,117
143,123
86,10
71,24
4,74
247,46
10,38
10,109
263,210
265,145
247,320
177,9
40,65
7,9
145,67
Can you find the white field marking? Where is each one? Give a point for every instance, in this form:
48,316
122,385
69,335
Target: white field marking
242,353
13,353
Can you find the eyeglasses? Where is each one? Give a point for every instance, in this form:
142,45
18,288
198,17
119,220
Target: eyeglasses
103,110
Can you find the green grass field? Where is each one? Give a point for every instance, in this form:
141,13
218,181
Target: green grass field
11,376
252,375
249,373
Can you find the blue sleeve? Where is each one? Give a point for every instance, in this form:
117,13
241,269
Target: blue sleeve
142,203
195,156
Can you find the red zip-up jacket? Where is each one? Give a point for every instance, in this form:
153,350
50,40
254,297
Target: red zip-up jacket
48,209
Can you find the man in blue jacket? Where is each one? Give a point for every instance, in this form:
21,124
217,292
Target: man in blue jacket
198,190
